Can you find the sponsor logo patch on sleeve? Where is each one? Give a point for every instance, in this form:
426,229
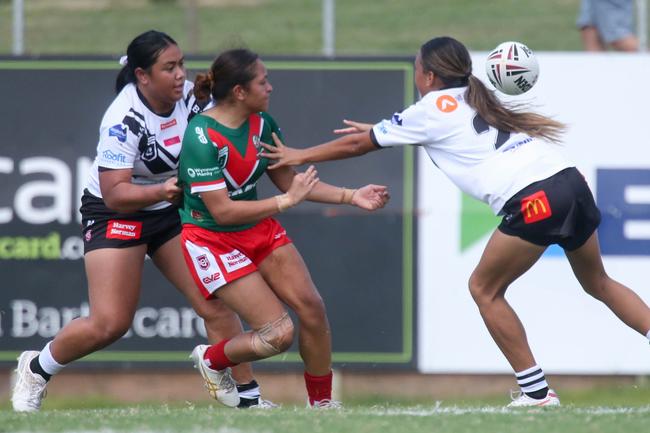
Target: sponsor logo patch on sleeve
110,156
118,131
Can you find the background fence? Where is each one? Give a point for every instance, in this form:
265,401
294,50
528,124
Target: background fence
289,27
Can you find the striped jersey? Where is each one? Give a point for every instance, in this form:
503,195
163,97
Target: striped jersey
132,136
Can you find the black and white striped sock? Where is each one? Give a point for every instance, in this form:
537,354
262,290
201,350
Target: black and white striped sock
532,382
249,394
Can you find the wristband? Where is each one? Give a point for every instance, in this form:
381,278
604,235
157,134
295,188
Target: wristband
346,195
283,201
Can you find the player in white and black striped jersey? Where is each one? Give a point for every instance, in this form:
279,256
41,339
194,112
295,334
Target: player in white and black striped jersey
507,159
128,210
133,136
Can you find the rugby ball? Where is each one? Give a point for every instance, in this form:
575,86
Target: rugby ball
512,68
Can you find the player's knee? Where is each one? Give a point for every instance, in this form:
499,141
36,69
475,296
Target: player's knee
217,314
310,306
481,292
475,288
274,337
107,332
597,287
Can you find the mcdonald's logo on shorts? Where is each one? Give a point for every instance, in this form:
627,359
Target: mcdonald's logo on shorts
535,207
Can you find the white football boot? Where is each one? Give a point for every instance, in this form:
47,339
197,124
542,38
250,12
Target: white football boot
29,388
264,404
219,383
325,404
520,399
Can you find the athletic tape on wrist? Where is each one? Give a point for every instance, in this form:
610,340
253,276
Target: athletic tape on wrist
283,201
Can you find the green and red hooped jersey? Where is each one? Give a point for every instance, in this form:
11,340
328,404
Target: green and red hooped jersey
214,156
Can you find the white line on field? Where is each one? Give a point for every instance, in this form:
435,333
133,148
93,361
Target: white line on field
453,410
219,430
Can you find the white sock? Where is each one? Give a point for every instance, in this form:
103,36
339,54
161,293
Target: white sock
648,335
532,379
249,390
250,393
48,363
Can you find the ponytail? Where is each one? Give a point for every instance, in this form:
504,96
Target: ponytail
124,77
513,119
231,68
449,59
203,86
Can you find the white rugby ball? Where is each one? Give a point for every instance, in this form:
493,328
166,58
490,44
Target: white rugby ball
512,68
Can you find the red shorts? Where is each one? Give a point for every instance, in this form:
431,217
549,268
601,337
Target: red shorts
217,258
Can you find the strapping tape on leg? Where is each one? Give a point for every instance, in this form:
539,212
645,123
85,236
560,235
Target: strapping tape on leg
274,337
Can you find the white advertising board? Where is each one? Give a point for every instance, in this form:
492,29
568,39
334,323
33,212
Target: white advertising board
604,100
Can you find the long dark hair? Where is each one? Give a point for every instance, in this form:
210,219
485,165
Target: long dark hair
451,62
231,68
142,52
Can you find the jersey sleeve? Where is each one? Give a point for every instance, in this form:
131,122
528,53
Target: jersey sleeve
201,162
406,127
119,135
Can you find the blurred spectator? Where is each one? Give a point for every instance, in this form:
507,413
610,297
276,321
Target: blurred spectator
607,24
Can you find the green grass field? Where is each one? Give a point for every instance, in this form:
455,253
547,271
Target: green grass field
293,27
610,410
357,419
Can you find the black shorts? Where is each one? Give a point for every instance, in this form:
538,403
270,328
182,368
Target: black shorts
104,228
558,210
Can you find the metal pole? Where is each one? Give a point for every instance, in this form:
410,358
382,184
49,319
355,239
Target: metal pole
642,23
192,23
329,17
18,47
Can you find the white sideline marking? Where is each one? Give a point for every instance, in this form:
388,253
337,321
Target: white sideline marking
219,430
454,410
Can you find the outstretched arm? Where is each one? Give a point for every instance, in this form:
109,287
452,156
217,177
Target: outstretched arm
370,197
353,127
347,146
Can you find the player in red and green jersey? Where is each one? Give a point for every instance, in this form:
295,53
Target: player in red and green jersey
219,157
234,248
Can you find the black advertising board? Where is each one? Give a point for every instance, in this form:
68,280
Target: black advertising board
361,262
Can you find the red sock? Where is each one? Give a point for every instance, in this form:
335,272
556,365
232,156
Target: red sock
318,387
215,357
